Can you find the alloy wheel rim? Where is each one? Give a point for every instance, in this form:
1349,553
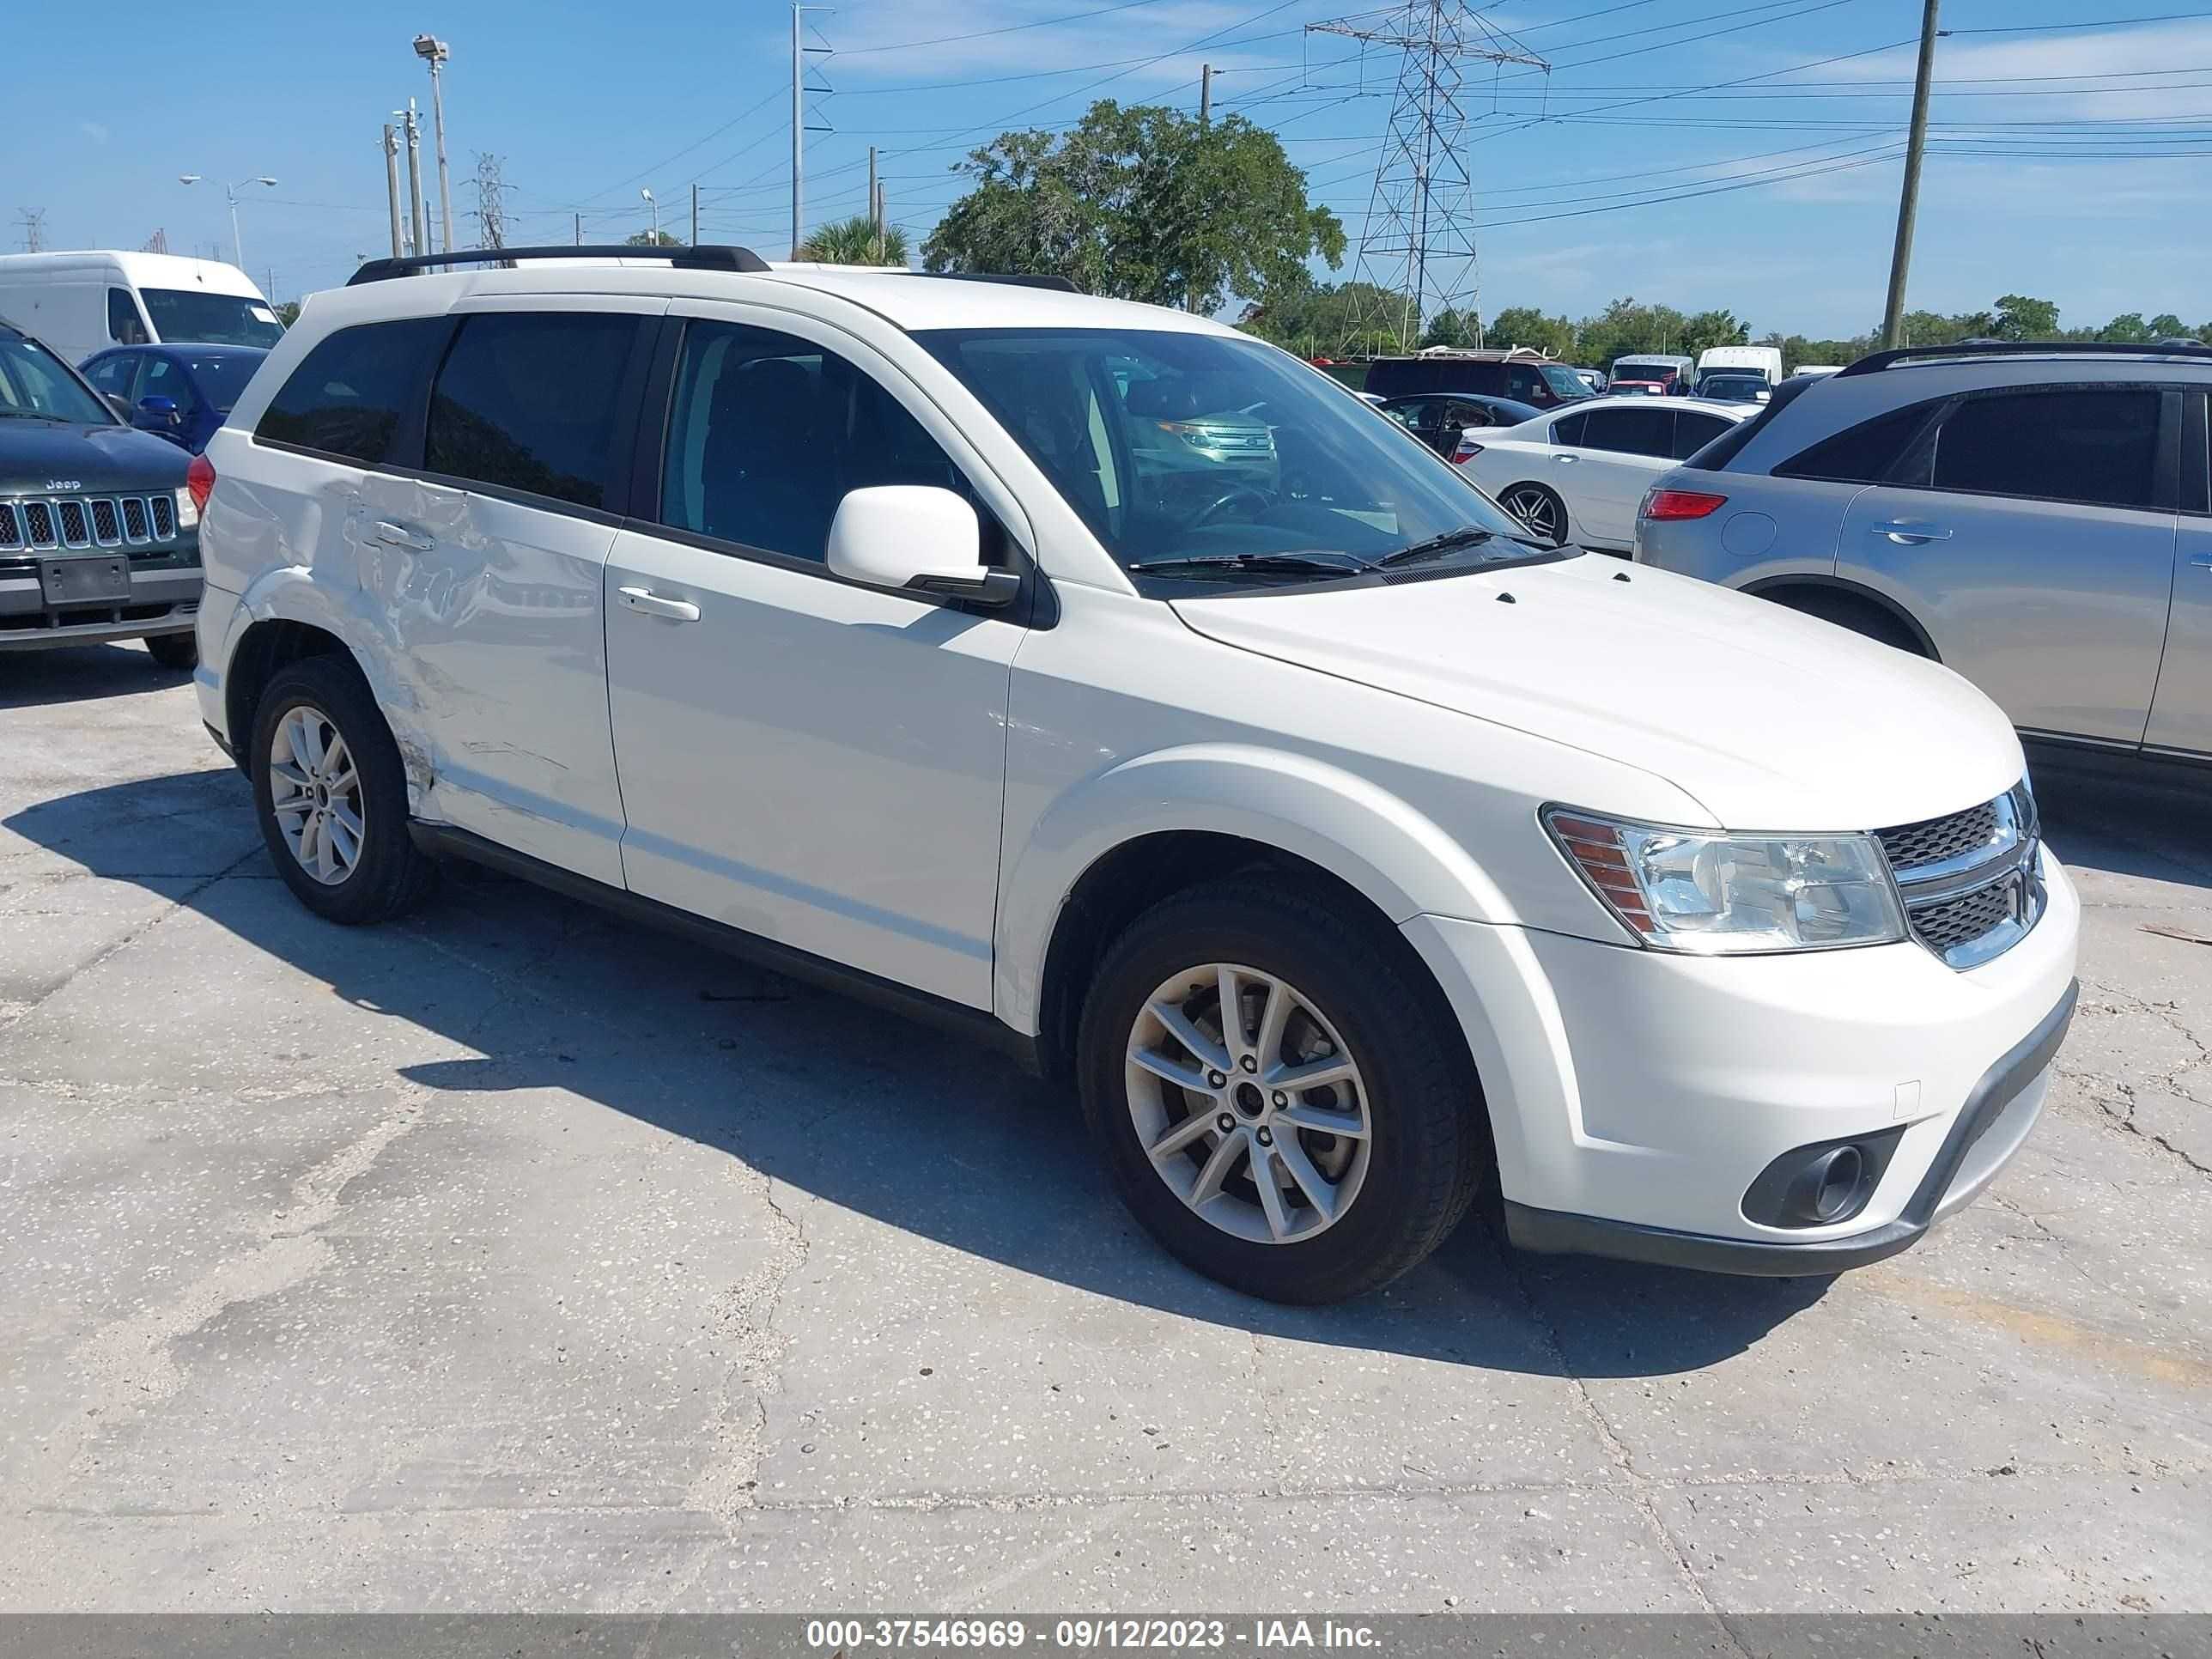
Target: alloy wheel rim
1533,508
1259,1122
315,789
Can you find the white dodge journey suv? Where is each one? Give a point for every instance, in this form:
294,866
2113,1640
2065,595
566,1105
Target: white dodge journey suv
1346,850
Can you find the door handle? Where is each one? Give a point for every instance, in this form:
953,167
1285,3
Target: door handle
399,535
1910,535
645,599
2201,560
1565,460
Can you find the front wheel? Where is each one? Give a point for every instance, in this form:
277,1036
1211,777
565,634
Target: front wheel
331,796
1278,1093
1540,512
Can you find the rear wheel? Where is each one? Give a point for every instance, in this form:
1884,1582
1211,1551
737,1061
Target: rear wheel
1862,617
173,651
1540,511
331,796
1275,1089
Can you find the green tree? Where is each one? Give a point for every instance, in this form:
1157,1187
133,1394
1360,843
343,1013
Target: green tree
2126,329
1713,328
652,238
2020,318
1141,203
288,313
1322,320
1453,327
1525,325
2166,326
852,242
1624,327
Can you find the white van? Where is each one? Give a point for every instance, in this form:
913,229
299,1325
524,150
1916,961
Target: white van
1757,360
82,302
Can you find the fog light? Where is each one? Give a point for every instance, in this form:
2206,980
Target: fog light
1819,1185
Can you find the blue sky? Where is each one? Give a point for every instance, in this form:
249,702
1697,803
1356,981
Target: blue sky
2061,164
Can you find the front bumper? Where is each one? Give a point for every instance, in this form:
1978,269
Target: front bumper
163,599
1637,1095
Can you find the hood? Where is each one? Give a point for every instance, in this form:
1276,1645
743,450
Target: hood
1770,720
40,459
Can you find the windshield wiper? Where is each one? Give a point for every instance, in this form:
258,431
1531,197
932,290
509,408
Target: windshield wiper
1468,537
1343,566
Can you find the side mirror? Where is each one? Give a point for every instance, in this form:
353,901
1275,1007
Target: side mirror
160,410
919,538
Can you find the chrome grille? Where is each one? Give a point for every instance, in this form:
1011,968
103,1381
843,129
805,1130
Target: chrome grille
1969,879
37,523
1934,841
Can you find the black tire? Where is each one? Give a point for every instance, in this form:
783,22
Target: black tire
390,875
1863,617
173,651
1430,1152
1547,501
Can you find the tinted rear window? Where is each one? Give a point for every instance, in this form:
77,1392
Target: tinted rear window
1865,453
348,395
2100,446
528,401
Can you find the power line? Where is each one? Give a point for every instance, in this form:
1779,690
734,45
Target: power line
1009,28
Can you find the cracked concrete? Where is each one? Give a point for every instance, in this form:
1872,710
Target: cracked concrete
512,1257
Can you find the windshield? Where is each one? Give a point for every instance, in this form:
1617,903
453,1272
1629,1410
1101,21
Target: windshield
1565,383
1177,448
34,385
222,375
215,318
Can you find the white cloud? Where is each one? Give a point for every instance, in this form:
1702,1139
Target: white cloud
92,131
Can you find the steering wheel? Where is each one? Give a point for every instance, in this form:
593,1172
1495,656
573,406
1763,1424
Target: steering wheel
1220,506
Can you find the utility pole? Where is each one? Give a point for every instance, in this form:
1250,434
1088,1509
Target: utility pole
434,51
418,220
34,226
1418,239
491,214
875,220
391,183
1908,203
579,230
798,127
695,213
882,219
1205,93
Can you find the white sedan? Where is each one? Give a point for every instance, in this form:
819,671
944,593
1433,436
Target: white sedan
1577,474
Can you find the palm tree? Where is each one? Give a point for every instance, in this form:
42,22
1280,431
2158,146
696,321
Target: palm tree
852,242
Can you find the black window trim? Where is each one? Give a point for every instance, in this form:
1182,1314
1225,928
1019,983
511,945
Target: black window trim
2196,498
2166,463
1034,606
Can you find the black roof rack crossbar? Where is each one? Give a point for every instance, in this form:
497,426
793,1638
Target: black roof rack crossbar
1874,361
1057,284
707,257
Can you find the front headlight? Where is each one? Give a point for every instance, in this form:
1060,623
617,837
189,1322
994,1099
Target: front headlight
1716,894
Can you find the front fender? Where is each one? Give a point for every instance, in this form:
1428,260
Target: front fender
1400,859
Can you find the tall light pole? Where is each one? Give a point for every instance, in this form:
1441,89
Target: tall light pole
655,206
433,51
1908,202
237,247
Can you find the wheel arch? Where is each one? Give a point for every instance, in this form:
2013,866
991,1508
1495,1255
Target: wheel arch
1842,589
1154,825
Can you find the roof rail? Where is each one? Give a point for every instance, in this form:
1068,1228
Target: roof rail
1057,284
1874,361
706,257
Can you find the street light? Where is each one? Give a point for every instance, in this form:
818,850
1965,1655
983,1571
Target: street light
230,191
433,51
655,206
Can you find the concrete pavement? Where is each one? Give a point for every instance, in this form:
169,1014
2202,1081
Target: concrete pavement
514,1257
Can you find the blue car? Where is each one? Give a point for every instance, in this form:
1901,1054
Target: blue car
180,393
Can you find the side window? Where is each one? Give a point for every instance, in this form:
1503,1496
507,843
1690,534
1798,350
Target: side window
348,396
112,375
124,326
1866,453
2096,446
165,380
527,401
1570,430
1631,431
767,433
1523,383
1694,431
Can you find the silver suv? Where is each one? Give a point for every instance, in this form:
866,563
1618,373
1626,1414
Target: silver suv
2038,517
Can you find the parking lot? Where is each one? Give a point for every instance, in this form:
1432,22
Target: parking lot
512,1257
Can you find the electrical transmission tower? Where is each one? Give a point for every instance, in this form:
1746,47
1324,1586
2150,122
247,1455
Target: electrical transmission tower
1418,242
491,215
34,221
157,243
